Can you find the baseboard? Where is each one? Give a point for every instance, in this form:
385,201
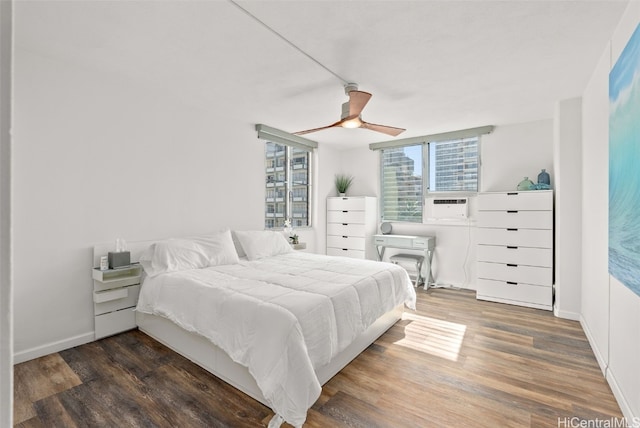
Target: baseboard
573,316
602,361
622,402
50,348
470,287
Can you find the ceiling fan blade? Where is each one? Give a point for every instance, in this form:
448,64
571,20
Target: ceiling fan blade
357,101
308,131
389,130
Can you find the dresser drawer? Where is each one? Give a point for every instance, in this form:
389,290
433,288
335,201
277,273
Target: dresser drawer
541,238
346,203
534,275
346,229
522,294
346,217
525,201
115,299
348,242
516,219
355,254
516,255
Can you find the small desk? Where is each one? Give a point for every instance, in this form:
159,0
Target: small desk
408,242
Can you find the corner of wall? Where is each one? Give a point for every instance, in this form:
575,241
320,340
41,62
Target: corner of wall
6,292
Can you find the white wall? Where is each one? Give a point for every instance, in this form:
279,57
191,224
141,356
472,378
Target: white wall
611,312
508,154
514,151
6,312
595,198
331,164
568,203
96,157
100,155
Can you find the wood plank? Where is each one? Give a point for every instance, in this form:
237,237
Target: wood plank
37,379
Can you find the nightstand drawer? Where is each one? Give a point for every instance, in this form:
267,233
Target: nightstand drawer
348,242
115,322
115,299
533,275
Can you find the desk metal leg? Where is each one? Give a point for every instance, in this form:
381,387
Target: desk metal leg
429,276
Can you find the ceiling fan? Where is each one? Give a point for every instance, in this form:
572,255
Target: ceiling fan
351,114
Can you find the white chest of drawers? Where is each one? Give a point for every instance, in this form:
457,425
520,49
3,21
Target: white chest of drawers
351,224
515,248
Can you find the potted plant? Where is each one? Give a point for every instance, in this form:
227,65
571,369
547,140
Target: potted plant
343,182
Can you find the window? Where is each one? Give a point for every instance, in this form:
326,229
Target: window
287,178
414,167
402,183
453,165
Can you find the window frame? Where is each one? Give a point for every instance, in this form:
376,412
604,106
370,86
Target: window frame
426,155
425,141
290,143
382,178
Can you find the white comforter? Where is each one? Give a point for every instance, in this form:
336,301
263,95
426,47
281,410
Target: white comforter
282,316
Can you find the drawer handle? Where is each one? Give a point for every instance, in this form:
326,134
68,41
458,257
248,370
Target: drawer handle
511,247
511,265
511,230
345,211
512,193
344,236
512,283
512,211
345,224
345,249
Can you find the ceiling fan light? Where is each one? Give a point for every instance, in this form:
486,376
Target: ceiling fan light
352,123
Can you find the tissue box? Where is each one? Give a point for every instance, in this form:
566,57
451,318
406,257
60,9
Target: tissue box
119,259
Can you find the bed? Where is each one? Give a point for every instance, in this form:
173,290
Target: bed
275,323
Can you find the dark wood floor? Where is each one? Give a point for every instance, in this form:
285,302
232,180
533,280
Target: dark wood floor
454,362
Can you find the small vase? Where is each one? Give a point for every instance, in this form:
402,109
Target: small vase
342,195
525,184
543,177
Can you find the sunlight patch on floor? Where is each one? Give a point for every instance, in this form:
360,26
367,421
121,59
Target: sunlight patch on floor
433,336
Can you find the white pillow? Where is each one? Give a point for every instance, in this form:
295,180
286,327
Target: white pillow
178,254
263,243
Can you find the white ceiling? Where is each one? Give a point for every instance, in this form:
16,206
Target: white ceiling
432,66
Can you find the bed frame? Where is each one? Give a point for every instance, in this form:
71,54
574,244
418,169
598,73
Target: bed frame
207,355
216,361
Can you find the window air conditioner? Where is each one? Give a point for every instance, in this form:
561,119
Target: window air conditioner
440,208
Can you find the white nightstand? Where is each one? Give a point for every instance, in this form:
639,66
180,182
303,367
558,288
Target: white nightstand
115,296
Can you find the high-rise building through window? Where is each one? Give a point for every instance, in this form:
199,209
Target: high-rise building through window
287,182
453,165
402,183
